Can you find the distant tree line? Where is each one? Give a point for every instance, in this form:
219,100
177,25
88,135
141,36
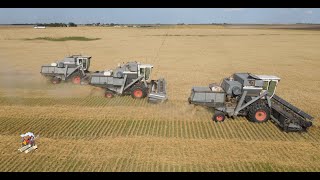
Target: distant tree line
70,24
101,24
308,23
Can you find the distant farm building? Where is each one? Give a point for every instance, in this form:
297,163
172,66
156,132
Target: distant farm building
39,27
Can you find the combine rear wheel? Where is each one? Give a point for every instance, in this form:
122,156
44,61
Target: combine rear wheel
218,116
259,113
138,91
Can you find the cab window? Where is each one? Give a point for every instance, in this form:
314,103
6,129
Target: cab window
141,71
147,73
84,63
272,87
265,85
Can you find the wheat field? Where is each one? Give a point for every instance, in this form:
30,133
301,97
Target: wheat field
80,130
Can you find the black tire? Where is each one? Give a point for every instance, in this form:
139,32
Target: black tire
109,94
218,116
247,99
139,91
55,80
259,112
76,78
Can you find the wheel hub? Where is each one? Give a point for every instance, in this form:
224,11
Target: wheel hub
137,93
219,118
261,115
108,95
76,80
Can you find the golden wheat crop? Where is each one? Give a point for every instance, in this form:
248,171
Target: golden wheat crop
80,130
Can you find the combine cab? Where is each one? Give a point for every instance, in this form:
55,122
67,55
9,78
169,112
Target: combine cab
252,96
132,78
73,68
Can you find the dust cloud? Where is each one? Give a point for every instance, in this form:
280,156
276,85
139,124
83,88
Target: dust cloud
26,84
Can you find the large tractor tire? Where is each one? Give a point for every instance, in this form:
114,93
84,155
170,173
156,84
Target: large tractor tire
139,91
218,116
55,80
259,113
76,78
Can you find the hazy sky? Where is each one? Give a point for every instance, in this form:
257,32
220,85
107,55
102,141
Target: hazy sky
159,15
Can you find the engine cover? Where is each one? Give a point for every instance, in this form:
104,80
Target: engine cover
233,88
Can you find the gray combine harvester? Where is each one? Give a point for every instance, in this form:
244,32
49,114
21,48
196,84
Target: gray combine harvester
73,68
131,78
252,96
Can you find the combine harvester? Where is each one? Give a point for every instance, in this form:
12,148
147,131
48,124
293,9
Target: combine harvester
73,68
252,96
131,78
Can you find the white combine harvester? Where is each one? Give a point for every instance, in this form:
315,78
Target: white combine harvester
28,142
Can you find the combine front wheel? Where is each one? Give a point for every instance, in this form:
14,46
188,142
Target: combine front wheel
138,92
259,113
76,79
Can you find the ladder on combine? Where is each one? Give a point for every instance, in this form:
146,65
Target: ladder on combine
289,117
